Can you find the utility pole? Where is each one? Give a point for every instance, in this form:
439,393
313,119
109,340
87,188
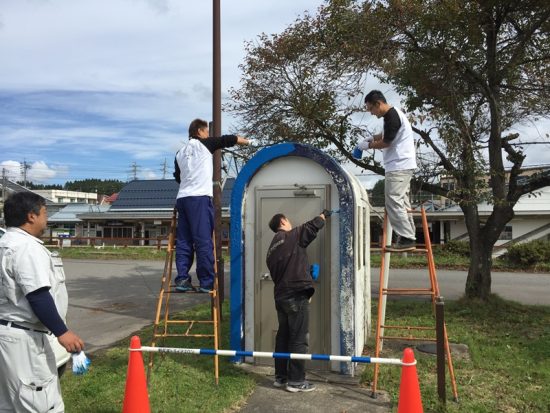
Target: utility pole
217,131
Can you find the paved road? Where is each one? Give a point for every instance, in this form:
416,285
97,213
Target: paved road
109,300
525,288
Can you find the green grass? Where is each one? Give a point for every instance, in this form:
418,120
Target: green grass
179,383
507,368
450,261
118,253
443,259
112,253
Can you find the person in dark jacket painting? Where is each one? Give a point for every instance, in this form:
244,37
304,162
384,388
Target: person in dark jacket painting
288,264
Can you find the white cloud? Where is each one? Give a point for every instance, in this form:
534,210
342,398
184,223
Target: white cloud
37,172
149,174
40,172
12,169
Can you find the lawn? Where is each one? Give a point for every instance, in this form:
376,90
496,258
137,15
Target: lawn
112,253
507,367
444,259
179,383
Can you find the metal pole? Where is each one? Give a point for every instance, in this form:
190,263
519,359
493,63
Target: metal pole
217,131
440,347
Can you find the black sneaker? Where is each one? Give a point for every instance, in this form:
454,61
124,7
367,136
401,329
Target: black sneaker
304,387
403,244
184,286
205,290
279,383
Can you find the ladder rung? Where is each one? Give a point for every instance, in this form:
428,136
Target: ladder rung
407,291
417,250
211,292
189,321
409,327
183,335
406,338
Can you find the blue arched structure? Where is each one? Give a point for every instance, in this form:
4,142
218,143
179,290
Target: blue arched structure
346,216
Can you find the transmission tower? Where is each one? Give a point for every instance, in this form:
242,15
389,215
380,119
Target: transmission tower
134,168
164,168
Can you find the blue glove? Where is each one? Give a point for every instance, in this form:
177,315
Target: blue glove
314,271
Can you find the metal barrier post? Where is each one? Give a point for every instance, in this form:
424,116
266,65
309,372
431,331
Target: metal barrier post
440,347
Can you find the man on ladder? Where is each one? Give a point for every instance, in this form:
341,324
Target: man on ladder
397,144
193,171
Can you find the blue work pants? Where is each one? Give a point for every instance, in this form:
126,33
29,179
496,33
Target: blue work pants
194,235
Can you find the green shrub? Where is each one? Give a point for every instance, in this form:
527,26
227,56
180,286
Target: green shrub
530,253
457,248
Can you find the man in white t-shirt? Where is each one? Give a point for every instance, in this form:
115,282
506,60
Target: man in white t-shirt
33,305
397,145
194,172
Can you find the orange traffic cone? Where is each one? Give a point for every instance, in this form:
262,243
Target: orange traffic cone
136,399
409,389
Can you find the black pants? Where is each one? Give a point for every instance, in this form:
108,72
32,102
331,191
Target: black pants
292,337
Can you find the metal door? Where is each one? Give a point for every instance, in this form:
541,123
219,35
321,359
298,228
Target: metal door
299,204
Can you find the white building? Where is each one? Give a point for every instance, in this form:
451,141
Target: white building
61,196
531,221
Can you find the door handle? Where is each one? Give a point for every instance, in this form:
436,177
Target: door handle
265,276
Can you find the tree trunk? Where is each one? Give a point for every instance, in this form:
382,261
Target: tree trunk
478,283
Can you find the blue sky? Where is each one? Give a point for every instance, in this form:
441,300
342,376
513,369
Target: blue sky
89,87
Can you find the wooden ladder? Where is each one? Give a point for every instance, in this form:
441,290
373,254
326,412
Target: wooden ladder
161,328
384,292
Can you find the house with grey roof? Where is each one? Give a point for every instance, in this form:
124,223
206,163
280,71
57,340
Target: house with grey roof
142,211
66,222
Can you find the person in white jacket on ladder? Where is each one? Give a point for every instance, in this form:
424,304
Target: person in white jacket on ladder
194,171
397,145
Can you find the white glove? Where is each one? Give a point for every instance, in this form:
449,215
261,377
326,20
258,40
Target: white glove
81,363
364,145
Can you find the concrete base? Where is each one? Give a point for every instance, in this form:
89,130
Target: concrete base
333,393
